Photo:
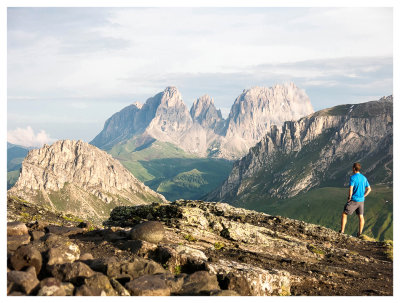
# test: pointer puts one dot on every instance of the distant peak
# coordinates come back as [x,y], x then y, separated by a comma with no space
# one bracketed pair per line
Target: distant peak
[171,90]
[171,97]
[138,104]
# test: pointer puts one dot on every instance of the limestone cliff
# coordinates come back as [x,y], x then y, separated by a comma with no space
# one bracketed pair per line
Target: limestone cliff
[203,131]
[315,150]
[78,178]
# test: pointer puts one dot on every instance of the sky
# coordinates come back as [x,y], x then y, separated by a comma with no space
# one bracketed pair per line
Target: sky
[69,69]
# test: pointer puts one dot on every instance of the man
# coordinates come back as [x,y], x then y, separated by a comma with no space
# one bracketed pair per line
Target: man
[358,189]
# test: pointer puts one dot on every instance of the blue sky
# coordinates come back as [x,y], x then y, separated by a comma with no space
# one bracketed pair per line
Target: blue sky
[69,69]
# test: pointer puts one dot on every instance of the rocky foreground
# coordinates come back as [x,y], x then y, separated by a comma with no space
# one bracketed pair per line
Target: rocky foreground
[187,248]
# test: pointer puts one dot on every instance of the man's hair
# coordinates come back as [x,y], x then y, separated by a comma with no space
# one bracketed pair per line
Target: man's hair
[357,166]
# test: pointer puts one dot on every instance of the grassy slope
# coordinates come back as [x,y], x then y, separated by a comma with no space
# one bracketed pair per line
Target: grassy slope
[324,206]
[12,177]
[171,171]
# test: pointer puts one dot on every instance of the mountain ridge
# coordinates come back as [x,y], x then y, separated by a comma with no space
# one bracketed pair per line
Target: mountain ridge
[323,143]
[80,178]
[202,130]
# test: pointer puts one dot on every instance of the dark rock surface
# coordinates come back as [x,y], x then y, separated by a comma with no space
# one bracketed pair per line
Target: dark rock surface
[207,249]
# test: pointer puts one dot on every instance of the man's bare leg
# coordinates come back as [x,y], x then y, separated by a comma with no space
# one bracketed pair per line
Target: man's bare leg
[344,221]
[361,224]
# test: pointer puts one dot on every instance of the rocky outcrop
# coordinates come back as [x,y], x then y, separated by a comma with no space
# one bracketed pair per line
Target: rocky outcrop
[207,249]
[80,179]
[258,108]
[204,112]
[203,131]
[313,151]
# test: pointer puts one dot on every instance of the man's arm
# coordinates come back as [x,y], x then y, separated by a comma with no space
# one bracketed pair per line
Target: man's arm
[350,193]
[367,191]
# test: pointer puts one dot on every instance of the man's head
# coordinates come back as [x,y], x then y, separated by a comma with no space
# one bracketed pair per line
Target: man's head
[356,167]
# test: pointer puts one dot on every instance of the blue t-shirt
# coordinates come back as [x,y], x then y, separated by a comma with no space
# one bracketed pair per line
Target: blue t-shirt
[359,183]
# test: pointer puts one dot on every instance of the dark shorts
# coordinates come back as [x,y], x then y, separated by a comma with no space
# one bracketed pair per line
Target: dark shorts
[352,206]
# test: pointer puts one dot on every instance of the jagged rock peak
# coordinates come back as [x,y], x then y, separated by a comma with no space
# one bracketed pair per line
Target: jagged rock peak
[171,97]
[138,104]
[203,108]
[387,98]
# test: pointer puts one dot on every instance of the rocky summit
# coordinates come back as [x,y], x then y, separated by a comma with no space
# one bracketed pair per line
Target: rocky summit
[203,131]
[188,248]
[80,179]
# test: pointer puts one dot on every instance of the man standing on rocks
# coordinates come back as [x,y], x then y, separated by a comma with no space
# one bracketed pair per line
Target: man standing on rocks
[358,189]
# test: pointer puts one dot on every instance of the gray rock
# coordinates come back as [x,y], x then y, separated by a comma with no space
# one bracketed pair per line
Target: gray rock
[148,285]
[62,252]
[150,231]
[16,229]
[51,287]
[13,242]
[26,256]
[133,270]
[199,283]
[85,290]
[37,234]
[99,283]
[71,272]
[24,281]
[121,291]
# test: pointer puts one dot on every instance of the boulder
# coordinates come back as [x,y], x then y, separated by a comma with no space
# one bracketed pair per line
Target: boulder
[150,231]
[26,256]
[186,258]
[199,283]
[148,285]
[99,283]
[51,287]
[85,290]
[251,280]
[121,291]
[62,252]
[37,234]
[16,228]
[133,270]
[71,272]
[13,242]
[23,281]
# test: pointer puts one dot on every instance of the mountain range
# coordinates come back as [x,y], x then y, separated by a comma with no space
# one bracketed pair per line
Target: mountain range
[202,130]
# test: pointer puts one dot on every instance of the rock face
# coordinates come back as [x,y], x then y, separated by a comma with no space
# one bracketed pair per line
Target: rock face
[203,131]
[78,178]
[314,151]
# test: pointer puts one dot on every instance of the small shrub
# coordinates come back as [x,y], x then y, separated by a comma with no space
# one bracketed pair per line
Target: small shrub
[177,269]
[218,245]
[190,238]
[315,249]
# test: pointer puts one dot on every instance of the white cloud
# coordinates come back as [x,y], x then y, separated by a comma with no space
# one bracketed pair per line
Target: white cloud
[27,137]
